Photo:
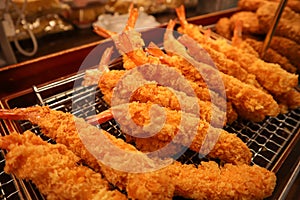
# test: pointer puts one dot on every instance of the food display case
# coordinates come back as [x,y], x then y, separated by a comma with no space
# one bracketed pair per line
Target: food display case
[49,80]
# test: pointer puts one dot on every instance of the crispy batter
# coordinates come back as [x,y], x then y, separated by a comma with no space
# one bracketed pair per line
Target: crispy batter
[253,5]
[288,25]
[287,48]
[223,27]
[175,100]
[109,80]
[53,169]
[251,103]
[166,182]
[250,22]
[71,131]
[228,147]
[223,64]
[228,182]
[290,99]
[272,56]
[213,182]
[278,81]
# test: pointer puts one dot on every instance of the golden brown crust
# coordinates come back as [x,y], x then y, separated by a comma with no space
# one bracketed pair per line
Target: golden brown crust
[228,147]
[272,56]
[287,48]
[288,25]
[53,169]
[223,27]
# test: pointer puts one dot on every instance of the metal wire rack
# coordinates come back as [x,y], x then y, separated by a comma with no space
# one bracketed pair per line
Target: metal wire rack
[267,140]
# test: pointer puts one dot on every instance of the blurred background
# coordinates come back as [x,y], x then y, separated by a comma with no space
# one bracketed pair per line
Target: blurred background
[34,28]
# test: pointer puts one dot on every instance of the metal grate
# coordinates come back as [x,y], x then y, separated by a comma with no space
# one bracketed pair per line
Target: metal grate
[8,189]
[267,140]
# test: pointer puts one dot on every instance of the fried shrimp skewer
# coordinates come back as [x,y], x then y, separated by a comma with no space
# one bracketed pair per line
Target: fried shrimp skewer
[164,96]
[272,56]
[75,133]
[256,46]
[279,81]
[53,169]
[288,25]
[251,103]
[170,179]
[228,147]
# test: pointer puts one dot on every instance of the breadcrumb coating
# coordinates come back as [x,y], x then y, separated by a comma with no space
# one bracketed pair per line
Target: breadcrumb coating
[288,25]
[53,169]
[225,146]
[163,96]
[272,56]
[207,181]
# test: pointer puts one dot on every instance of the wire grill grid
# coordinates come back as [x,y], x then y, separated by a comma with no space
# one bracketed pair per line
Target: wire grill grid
[266,139]
[8,189]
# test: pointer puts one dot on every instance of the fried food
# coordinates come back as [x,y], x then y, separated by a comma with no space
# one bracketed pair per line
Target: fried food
[134,89]
[109,80]
[178,101]
[193,132]
[215,182]
[84,140]
[287,48]
[279,81]
[250,102]
[223,28]
[251,5]
[207,181]
[250,22]
[290,99]
[53,169]
[223,64]
[272,56]
[288,25]
[91,76]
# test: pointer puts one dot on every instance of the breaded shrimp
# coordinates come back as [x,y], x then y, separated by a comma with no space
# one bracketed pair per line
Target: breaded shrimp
[288,25]
[272,56]
[251,103]
[84,141]
[53,169]
[195,133]
[215,182]
[250,22]
[279,81]
[109,81]
[287,48]
[164,183]
[223,28]
[91,76]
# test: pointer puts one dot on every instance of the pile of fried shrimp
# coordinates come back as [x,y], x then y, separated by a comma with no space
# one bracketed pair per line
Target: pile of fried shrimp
[89,163]
[253,19]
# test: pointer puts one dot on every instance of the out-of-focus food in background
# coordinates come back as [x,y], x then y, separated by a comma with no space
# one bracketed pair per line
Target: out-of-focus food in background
[151,7]
[40,17]
[256,17]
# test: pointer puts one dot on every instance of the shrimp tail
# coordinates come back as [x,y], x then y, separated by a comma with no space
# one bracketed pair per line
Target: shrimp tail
[100,118]
[180,11]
